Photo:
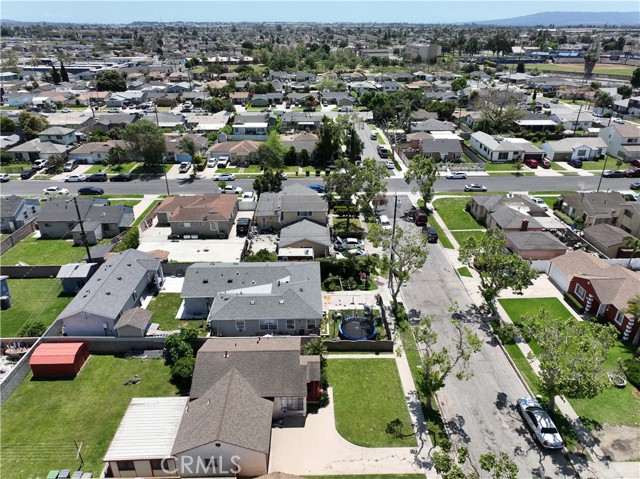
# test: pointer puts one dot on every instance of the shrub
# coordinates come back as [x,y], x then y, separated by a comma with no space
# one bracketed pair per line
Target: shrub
[574,303]
[182,372]
[131,240]
[631,369]
[32,329]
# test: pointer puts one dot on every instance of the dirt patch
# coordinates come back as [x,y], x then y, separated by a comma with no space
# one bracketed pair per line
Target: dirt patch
[622,443]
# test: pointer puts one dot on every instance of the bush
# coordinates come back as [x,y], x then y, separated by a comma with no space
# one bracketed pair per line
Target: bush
[574,303]
[131,240]
[32,329]
[506,332]
[631,369]
[182,372]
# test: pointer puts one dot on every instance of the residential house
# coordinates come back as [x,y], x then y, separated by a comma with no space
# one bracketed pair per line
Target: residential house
[175,154]
[500,149]
[340,98]
[510,218]
[117,285]
[92,97]
[389,86]
[109,121]
[178,87]
[205,215]
[207,122]
[575,148]
[76,120]
[442,149]
[302,120]
[240,153]
[267,99]
[74,276]
[250,131]
[58,219]
[483,206]
[574,120]
[294,203]
[362,87]
[537,122]
[124,98]
[629,218]
[303,77]
[592,208]
[36,149]
[623,141]
[300,141]
[165,119]
[59,135]
[179,77]
[423,115]
[248,299]
[535,245]
[18,100]
[607,238]
[603,290]
[17,211]
[306,234]
[95,151]
[431,125]
[239,97]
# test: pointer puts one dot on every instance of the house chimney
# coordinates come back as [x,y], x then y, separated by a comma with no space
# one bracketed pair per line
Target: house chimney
[226,354]
[525,225]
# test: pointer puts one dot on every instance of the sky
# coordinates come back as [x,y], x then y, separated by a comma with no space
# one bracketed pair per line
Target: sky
[382,11]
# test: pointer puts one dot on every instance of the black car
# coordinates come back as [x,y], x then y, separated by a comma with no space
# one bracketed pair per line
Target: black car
[97,177]
[121,177]
[613,174]
[635,186]
[576,163]
[90,190]
[242,226]
[26,174]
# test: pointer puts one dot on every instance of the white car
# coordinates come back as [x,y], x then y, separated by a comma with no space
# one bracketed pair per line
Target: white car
[347,244]
[224,177]
[212,162]
[75,178]
[618,120]
[231,190]
[55,190]
[4,177]
[352,253]
[540,423]
[65,110]
[284,176]
[184,167]
[540,202]
[456,175]
[248,196]
[389,164]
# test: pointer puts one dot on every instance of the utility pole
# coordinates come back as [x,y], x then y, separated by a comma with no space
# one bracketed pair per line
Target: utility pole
[164,157]
[575,125]
[82,232]
[393,235]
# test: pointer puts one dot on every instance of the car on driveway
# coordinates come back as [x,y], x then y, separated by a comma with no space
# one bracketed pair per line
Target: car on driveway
[531,163]
[540,423]
[618,120]
[75,179]
[352,253]
[231,190]
[540,202]
[474,187]
[456,175]
[613,174]
[4,177]
[316,187]
[635,185]
[576,163]
[342,244]
[544,163]
[632,173]
[121,177]
[90,190]
[97,177]
[28,173]
[248,196]
[55,190]
[184,167]
[224,177]
[212,162]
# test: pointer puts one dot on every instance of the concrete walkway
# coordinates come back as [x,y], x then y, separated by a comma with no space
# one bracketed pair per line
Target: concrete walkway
[144,204]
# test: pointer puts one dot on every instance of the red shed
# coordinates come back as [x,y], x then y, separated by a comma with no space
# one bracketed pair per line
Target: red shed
[51,360]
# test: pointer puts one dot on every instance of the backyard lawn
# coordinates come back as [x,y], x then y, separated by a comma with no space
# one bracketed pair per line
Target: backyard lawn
[32,299]
[165,307]
[367,396]
[35,251]
[41,419]
[614,406]
[452,212]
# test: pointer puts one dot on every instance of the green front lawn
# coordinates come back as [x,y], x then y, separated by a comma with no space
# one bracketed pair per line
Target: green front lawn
[152,169]
[34,251]
[460,236]
[609,163]
[39,299]
[452,211]
[500,167]
[367,396]
[340,225]
[464,271]
[124,202]
[121,168]
[14,168]
[42,418]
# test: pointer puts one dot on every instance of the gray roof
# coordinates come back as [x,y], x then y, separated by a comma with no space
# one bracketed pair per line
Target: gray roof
[76,270]
[56,130]
[432,124]
[599,203]
[295,197]
[441,145]
[607,235]
[304,230]
[272,365]
[100,250]
[63,210]
[229,412]
[267,204]
[534,240]
[109,289]
[509,218]
[136,317]
[9,205]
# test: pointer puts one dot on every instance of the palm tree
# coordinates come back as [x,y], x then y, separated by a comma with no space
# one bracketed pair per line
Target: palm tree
[315,347]
[590,60]
[633,244]
[633,306]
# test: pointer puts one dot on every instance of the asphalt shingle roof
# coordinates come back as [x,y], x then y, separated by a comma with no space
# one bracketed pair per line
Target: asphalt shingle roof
[304,230]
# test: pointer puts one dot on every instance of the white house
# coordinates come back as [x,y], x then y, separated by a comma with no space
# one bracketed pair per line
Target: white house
[59,135]
[500,149]
[250,131]
[575,148]
[623,141]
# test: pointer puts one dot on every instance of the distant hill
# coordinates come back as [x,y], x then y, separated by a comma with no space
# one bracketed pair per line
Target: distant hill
[565,19]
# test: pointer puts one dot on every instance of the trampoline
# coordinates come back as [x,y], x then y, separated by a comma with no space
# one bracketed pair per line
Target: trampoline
[357,328]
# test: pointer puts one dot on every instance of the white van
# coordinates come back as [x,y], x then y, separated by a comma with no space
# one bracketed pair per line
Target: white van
[70,165]
[385,223]
[223,162]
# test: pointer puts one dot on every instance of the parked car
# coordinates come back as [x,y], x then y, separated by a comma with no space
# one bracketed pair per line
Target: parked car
[284,176]
[632,173]
[456,175]
[431,232]
[373,136]
[575,162]
[75,178]
[618,120]
[90,190]
[474,187]
[318,188]
[419,217]
[242,226]
[383,152]
[231,190]
[540,202]
[635,185]
[385,224]
[4,177]
[184,167]
[55,190]
[70,165]
[248,196]
[97,177]
[389,164]
[114,110]
[635,163]
[224,177]
[223,161]
[39,164]
[65,110]
[540,423]
[352,253]
[121,177]
[613,174]
[544,163]
[531,163]
[212,162]
[28,173]
[347,244]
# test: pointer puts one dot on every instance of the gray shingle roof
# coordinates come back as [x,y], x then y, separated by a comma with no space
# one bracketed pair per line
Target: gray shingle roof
[136,317]
[109,289]
[272,365]
[606,234]
[508,218]
[9,205]
[534,240]
[229,412]
[298,197]
[304,230]
[62,210]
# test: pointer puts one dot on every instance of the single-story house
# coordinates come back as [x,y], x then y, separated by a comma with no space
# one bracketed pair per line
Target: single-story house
[431,124]
[509,218]
[607,238]
[500,149]
[166,119]
[441,149]
[75,119]
[205,215]
[592,208]
[95,151]
[74,276]
[302,120]
[535,245]
[240,153]
[248,299]
[575,148]
[16,211]
[300,141]
[58,360]
[175,154]
[109,121]
[484,205]
[306,234]
[115,287]
[36,149]
[292,204]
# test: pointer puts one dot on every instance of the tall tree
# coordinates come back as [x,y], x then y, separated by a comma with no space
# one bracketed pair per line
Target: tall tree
[328,145]
[374,183]
[633,244]
[55,75]
[424,171]
[199,164]
[269,181]
[603,100]
[590,59]
[271,152]
[343,184]
[7,125]
[635,78]
[145,140]
[111,80]
[31,124]
[520,68]
[572,355]
[499,109]
[354,144]
[187,145]
[497,268]
[63,72]
[116,155]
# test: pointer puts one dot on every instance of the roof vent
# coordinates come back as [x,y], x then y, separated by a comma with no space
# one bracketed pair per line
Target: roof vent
[252,302]
[229,281]
[205,281]
[281,301]
[108,293]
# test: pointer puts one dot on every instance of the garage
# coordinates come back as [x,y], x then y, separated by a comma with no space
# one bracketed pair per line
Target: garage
[58,360]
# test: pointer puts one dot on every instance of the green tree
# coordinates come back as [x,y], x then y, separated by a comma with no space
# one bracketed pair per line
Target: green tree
[145,140]
[182,372]
[32,329]
[111,80]
[304,158]
[518,164]
[116,155]
[635,78]
[520,68]
[187,145]
[497,268]
[199,164]
[7,125]
[459,84]
[424,171]
[131,240]
[315,347]
[500,466]
[499,109]
[374,183]
[572,355]
[31,124]
[590,59]
[343,184]
[269,181]
[328,145]
[291,157]
[64,76]
[99,136]
[633,244]
[271,152]
[261,256]
[55,75]
[625,90]
[603,100]
[354,144]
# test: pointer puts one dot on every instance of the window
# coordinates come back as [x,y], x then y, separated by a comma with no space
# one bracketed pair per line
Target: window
[268,324]
[619,317]
[156,464]
[293,404]
[628,213]
[240,326]
[503,156]
[126,466]
[582,152]
[291,324]
[580,291]
[311,323]
[304,213]
[186,225]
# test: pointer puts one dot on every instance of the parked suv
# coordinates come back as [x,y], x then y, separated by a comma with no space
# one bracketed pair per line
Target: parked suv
[97,177]
[420,218]
[70,165]
[575,162]
[531,163]
[39,164]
